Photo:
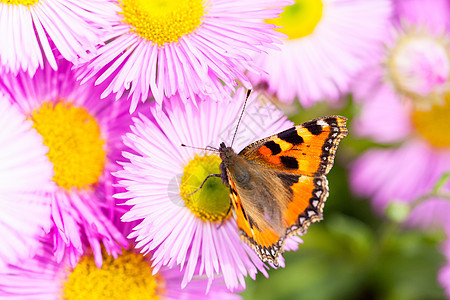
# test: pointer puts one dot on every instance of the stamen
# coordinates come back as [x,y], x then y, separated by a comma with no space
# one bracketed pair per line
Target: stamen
[127,277]
[433,123]
[300,19]
[163,21]
[74,141]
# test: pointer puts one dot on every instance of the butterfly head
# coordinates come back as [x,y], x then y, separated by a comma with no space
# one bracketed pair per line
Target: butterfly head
[225,152]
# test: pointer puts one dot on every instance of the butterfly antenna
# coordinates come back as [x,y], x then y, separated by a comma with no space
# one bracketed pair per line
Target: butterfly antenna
[240,117]
[207,148]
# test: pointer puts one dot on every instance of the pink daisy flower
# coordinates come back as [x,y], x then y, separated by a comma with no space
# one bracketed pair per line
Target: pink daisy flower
[83,137]
[403,180]
[328,43]
[415,60]
[25,174]
[126,276]
[415,67]
[30,29]
[200,235]
[410,170]
[186,48]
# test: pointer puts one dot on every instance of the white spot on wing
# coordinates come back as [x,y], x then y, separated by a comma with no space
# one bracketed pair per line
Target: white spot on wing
[322,123]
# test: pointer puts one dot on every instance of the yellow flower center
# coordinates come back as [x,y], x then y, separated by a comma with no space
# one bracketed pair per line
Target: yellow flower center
[163,21]
[74,141]
[212,201]
[419,67]
[20,2]
[433,124]
[127,277]
[299,19]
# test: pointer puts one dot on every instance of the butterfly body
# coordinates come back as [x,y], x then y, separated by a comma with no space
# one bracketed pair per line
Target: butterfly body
[278,185]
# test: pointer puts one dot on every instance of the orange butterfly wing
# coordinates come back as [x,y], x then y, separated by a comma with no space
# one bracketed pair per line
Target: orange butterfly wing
[308,198]
[307,149]
[300,156]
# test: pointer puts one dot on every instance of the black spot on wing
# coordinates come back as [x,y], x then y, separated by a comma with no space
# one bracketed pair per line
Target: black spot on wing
[291,136]
[288,179]
[332,121]
[313,127]
[274,147]
[289,162]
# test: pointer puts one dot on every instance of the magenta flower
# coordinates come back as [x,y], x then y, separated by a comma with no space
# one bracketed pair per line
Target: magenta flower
[186,48]
[397,174]
[415,59]
[405,175]
[125,276]
[30,29]
[406,100]
[195,232]
[328,43]
[82,134]
[26,175]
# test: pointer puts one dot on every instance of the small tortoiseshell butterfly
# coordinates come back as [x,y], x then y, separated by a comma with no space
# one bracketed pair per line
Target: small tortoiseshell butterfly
[278,185]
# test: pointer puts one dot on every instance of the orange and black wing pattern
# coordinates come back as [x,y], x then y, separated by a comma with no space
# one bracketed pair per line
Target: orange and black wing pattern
[307,198]
[299,158]
[307,149]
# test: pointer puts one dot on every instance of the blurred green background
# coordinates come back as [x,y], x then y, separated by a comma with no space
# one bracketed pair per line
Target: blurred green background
[353,253]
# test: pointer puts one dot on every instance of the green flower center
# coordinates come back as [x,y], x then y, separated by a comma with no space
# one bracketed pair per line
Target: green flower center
[74,141]
[299,19]
[163,21]
[129,276]
[212,201]
[433,124]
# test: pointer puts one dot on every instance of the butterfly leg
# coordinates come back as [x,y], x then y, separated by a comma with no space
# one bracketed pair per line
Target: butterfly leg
[228,211]
[204,181]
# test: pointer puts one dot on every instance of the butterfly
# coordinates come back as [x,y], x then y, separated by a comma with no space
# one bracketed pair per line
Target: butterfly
[278,185]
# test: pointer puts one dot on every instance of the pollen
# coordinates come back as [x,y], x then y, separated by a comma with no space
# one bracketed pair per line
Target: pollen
[433,124]
[299,19]
[128,276]
[75,145]
[212,201]
[20,2]
[163,21]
